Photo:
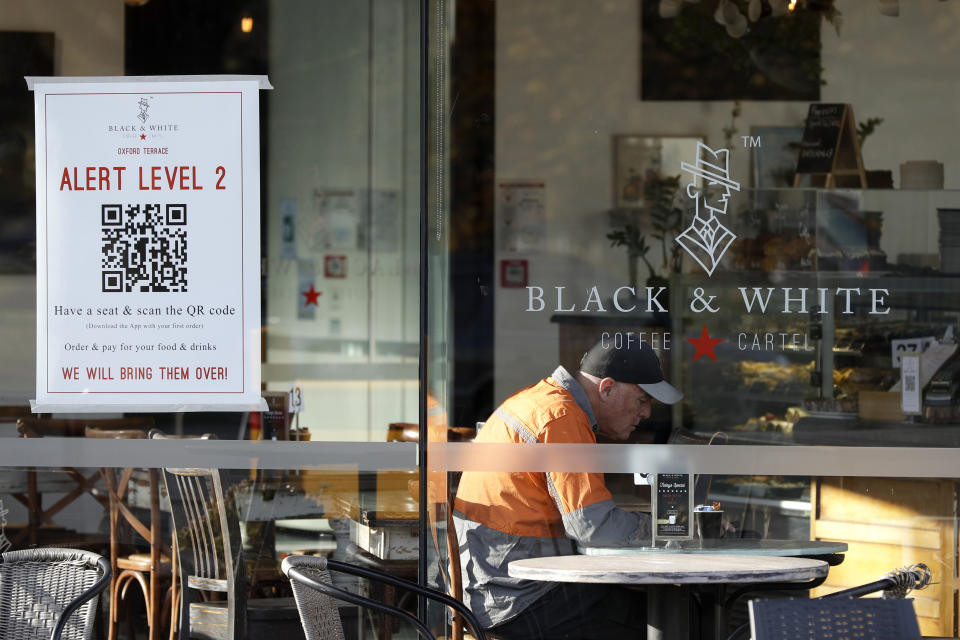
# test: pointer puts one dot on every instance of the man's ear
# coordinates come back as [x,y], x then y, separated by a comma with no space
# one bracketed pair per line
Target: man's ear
[605,387]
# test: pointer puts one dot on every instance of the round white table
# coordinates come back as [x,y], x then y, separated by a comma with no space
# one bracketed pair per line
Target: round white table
[745,546]
[669,578]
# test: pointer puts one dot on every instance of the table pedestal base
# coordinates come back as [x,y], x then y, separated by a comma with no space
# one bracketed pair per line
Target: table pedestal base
[668,613]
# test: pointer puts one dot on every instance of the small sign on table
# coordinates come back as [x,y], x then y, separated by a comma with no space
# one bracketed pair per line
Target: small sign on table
[672,506]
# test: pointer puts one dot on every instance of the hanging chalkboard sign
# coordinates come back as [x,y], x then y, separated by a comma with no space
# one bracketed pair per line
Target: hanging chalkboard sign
[673,506]
[830,150]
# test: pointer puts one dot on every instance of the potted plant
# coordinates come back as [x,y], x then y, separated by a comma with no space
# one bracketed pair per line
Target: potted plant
[665,219]
[627,233]
[879,178]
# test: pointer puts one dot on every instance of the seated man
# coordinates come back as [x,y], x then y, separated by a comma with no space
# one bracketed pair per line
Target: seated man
[501,517]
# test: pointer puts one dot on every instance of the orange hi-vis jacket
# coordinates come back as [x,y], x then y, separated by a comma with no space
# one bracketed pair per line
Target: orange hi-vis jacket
[506,516]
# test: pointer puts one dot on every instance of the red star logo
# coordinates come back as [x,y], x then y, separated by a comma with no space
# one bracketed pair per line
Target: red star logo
[704,345]
[311,296]
[143,136]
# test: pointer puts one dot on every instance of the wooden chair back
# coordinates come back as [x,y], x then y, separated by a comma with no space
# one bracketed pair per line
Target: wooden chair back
[410,432]
[117,482]
[403,432]
[134,568]
[34,427]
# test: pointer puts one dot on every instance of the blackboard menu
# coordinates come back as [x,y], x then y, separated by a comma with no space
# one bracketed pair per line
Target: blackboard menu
[820,137]
[672,506]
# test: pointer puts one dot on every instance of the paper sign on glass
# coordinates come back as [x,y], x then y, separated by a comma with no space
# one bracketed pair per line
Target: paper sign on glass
[148,243]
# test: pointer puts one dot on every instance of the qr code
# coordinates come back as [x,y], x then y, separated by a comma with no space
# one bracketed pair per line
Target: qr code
[144,248]
[910,383]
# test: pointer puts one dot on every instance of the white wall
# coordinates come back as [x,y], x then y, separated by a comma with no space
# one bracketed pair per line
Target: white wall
[343,115]
[567,80]
[904,70]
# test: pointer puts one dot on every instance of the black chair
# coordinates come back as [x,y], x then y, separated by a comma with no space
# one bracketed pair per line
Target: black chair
[50,593]
[778,619]
[315,593]
[861,618]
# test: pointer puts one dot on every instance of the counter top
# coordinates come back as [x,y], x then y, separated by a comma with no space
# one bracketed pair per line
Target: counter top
[851,432]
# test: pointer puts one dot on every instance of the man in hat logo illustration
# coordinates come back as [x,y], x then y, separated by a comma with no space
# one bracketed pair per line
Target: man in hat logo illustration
[706,239]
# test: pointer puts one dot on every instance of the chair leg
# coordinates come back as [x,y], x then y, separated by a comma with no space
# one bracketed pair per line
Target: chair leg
[114,607]
[386,630]
[174,592]
[166,610]
[154,605]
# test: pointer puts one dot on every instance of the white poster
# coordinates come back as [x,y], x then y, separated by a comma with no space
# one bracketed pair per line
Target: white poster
[148,244]
[521,210]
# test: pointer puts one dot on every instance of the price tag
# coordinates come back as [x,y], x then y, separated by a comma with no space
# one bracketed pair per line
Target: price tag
[908,345]
[910,388]
[296,399]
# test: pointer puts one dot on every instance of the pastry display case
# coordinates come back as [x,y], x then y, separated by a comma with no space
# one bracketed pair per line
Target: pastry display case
[818,299]
[811,337]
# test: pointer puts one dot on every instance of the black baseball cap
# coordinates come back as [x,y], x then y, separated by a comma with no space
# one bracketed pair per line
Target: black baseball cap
[630,361]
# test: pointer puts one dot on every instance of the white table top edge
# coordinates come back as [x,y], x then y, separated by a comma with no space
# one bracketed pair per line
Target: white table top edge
[668,569]
[785,548]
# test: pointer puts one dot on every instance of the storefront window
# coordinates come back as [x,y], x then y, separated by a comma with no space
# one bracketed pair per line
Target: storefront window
[331,468]
[760,192]
[744,213]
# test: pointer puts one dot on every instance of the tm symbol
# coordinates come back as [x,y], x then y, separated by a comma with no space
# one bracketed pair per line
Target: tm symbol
[750,141]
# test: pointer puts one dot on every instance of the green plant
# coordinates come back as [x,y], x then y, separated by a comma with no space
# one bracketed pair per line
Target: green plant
[866,129]
[666,219]
[631,237]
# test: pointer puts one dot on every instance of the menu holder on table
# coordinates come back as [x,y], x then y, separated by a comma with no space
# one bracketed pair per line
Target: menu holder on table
[672,506]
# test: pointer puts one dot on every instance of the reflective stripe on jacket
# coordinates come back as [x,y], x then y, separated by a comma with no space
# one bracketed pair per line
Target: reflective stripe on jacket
[501,517]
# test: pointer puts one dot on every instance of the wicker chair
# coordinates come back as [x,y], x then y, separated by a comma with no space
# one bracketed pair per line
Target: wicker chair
[48,594]
[864,618]
[842,614]
[315,595]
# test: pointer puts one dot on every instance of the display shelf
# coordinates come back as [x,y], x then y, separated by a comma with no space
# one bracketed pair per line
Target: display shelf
[853,355]
[774,397]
